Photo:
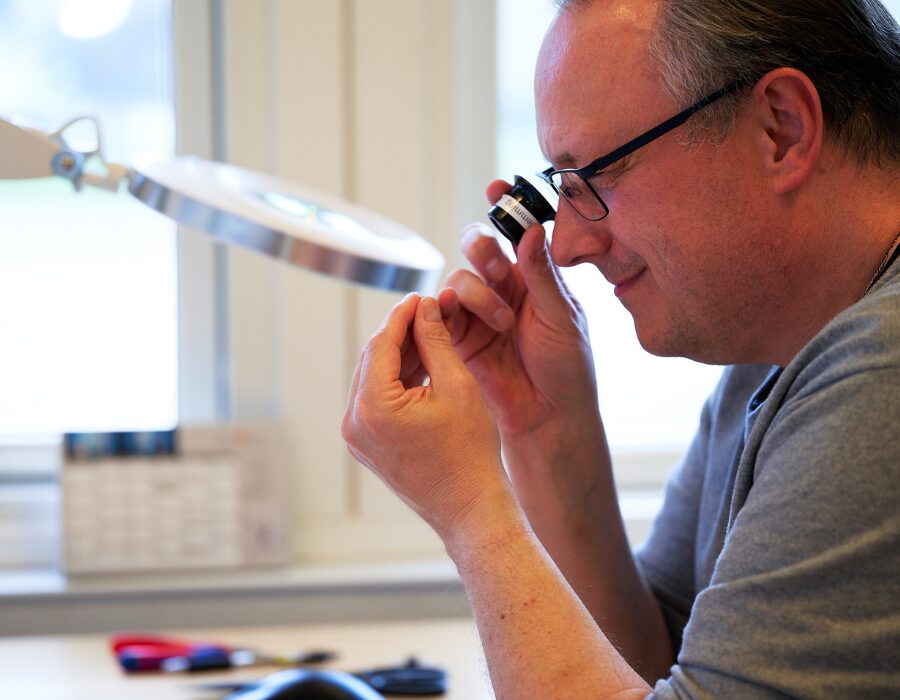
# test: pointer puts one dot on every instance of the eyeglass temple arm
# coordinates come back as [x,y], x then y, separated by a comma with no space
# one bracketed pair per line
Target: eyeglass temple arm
[657,131]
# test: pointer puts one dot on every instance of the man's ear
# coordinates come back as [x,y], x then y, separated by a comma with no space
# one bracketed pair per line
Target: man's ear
[789,115]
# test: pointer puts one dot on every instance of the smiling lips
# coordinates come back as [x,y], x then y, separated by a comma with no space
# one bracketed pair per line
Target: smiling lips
[626,283]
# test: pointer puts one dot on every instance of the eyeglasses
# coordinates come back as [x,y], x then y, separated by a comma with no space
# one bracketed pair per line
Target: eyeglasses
[574,183]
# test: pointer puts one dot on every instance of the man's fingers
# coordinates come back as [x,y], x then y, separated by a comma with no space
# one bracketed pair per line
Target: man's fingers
[480,300]
[475,338]
[448,300]
[483,250]
[382,359]
[410,364]
[545,285]
[435,347]
[497,189]
[468,333]
[456,318]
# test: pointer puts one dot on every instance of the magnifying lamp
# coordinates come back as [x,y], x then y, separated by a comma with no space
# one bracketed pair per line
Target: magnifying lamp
[269,215]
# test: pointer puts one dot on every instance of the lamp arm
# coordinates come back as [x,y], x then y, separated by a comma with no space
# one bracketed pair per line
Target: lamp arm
[28,153]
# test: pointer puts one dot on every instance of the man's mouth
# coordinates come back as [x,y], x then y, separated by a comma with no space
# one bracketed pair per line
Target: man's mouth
[623,285]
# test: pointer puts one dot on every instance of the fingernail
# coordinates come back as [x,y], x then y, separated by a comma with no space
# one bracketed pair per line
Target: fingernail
[430,309]
[496,269]
[503,318]
[469,234]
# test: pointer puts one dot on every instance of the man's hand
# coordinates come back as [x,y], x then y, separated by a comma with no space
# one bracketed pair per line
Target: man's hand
[524,337]
[521,332]
[435,445]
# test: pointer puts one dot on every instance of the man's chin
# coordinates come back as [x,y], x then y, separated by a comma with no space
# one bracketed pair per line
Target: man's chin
[672,341]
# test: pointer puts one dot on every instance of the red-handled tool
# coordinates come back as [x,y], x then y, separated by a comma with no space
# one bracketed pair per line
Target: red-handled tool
[141,652]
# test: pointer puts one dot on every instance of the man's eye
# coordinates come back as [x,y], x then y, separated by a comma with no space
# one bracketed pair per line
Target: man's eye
[571,191]
[606,179]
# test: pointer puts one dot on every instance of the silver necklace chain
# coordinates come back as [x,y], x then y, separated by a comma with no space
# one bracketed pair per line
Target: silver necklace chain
[884,263]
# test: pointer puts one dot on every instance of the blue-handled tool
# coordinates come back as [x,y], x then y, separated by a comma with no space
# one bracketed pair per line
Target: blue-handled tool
[141,652]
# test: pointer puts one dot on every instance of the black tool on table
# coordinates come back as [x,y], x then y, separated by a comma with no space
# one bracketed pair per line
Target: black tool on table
[303,684]
[411,678]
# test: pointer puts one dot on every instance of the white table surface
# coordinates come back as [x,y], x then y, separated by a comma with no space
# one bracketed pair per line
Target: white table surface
[81,667]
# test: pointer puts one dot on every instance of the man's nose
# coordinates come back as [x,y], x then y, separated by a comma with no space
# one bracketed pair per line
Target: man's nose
[575,238]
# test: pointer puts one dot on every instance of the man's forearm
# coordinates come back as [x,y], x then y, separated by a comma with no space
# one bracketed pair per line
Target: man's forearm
[539,639]
[563,480]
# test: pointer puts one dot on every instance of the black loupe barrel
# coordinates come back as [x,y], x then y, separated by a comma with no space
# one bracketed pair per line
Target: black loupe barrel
[523,207]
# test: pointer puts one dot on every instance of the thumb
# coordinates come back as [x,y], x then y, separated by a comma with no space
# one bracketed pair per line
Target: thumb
[539,273]
[434,344]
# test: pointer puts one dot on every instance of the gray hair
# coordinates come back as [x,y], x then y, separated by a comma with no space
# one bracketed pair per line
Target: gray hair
[850,49]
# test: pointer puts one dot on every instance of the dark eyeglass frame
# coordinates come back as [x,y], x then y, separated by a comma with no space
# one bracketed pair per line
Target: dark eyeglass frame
[594,167]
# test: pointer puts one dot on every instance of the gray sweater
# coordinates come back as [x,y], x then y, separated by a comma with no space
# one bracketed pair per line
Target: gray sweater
[776,556]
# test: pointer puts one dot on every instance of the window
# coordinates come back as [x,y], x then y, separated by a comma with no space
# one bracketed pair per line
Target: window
[88,282]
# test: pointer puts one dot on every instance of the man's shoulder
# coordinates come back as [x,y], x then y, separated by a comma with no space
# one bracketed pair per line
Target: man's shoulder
[863,339]
[837,403]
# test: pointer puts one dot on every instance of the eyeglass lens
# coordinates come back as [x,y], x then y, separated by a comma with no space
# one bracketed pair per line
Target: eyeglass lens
[579,195]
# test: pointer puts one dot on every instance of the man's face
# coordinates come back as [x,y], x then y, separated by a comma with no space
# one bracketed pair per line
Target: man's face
[683,241]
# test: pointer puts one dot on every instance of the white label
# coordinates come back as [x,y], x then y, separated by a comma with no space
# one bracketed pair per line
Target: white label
[516,211]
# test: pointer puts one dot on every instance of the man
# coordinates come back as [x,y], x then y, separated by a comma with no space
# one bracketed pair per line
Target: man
[756,231]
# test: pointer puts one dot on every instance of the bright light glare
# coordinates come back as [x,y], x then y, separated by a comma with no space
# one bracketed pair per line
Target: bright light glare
[89,19]
[313,212]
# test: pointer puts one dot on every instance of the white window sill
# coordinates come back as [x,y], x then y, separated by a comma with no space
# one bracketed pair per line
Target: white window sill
[50,585]
[43,602]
